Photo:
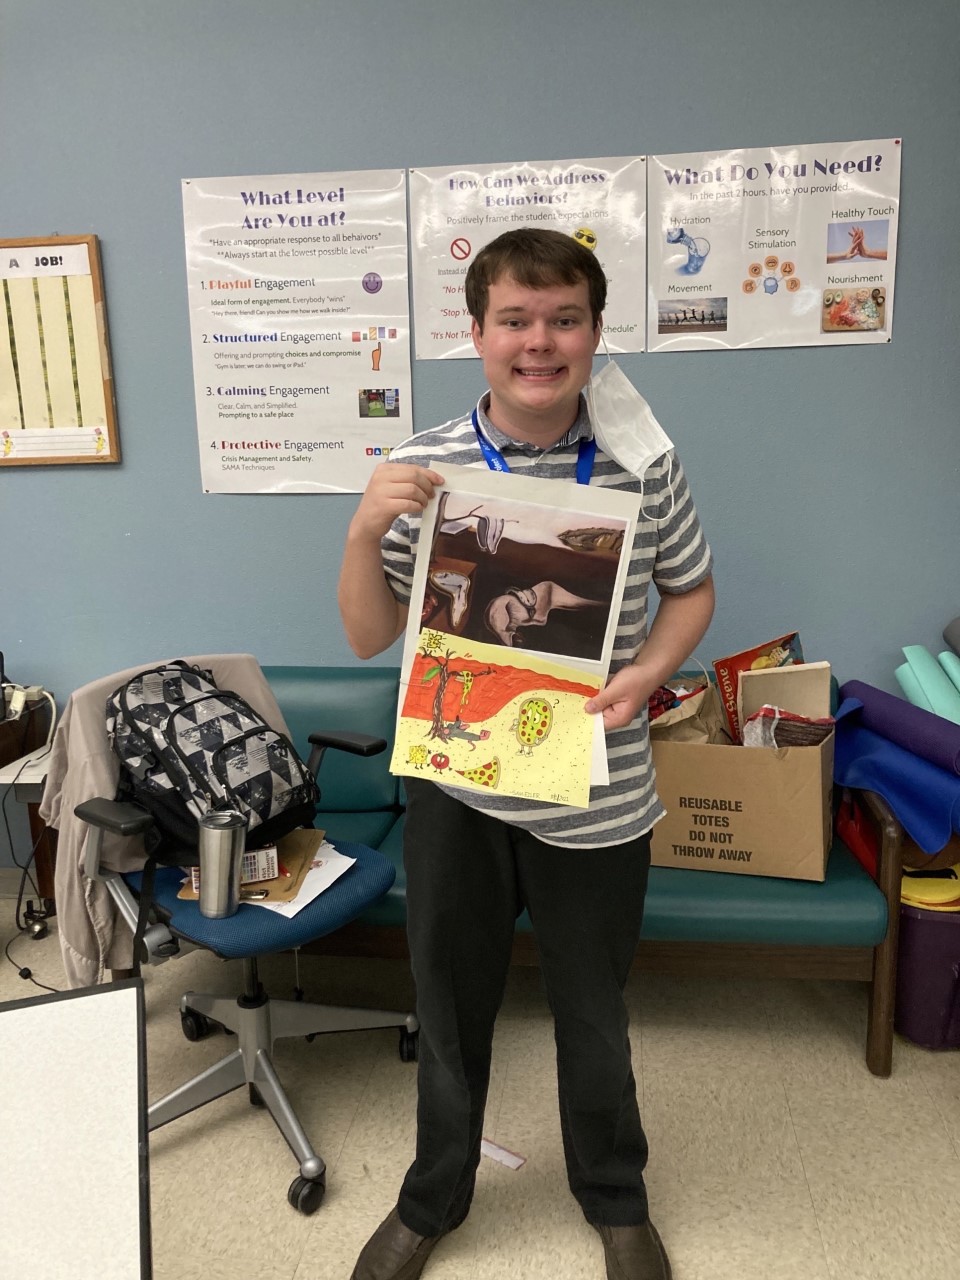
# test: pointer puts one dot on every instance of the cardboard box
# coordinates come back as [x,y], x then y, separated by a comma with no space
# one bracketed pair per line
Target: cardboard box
[760,811]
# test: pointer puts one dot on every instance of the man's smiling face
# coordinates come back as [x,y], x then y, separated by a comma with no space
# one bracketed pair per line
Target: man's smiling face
[537,347]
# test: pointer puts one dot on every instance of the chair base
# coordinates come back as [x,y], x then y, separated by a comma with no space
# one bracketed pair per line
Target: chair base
[257,1022]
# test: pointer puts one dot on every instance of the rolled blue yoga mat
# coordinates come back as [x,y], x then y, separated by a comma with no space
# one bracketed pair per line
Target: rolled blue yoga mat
[926,735]
[936,684]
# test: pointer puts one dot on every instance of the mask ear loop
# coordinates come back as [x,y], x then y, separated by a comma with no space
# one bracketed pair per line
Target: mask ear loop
[673,497]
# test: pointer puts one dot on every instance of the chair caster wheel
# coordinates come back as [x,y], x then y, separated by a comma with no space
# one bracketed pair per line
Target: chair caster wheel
[409,1045]
[196,1026]
[306,1196]
[255,1099]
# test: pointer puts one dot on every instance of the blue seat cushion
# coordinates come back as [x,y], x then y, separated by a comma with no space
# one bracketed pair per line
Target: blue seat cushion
[254,931]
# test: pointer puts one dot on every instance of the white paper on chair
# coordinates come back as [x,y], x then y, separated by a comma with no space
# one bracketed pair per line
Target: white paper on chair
[327,867]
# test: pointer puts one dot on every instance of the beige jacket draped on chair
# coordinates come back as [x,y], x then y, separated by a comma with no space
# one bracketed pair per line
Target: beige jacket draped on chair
[93,937]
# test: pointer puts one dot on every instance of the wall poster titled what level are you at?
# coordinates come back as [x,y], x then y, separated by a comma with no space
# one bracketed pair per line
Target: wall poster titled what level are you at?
[56,389]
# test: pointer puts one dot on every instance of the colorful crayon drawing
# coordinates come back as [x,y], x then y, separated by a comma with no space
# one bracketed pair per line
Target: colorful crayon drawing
[470,719]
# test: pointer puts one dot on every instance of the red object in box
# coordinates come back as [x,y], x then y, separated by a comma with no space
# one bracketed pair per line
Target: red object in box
[858,833]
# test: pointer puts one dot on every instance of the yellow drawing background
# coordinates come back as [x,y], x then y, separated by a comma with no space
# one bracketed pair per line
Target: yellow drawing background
[558,772]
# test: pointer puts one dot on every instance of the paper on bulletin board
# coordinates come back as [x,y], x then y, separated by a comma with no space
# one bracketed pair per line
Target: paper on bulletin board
[299,321]
[455,211]
[773,246]
[513,613]
[56,388]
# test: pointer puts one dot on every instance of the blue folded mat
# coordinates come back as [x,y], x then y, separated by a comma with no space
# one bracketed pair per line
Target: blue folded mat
[925,798]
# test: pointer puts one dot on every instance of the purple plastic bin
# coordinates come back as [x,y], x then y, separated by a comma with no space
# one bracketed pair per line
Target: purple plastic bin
[928,978]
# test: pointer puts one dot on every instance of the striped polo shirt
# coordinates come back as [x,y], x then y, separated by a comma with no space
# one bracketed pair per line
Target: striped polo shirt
[669,548]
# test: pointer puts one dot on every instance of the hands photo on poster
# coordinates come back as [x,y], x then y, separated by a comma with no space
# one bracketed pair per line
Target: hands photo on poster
[786,246]
[456,210]
[297,287]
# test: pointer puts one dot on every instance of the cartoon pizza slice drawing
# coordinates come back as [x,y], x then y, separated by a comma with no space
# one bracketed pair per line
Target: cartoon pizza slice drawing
[484,775]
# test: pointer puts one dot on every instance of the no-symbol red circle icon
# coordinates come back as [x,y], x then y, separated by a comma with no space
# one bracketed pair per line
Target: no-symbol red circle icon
[460,248]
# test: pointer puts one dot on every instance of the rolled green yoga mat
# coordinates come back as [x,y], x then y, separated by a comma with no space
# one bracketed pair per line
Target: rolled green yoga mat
[936,684]
[951,665]
[912,689]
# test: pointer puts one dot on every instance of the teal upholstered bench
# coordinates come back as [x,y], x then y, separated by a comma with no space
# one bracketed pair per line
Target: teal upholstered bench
[694,920]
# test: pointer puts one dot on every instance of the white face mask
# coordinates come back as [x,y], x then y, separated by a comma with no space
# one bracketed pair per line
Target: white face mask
[623,423]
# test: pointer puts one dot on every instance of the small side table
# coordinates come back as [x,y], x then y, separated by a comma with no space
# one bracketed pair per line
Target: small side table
[23,765]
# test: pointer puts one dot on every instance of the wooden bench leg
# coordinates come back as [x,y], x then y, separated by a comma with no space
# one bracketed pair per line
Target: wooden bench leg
[883,990]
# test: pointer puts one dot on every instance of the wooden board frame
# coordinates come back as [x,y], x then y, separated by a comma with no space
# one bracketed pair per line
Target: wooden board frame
[54,355]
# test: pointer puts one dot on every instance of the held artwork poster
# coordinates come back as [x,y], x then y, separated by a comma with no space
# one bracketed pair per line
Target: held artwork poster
[516,593]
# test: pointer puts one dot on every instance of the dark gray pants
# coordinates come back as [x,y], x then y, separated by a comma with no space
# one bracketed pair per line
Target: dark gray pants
[468,878]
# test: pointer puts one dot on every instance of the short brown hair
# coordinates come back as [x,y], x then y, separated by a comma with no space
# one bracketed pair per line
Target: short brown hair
[536,258]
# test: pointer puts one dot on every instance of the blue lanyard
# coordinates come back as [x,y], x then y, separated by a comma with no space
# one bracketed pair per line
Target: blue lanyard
[497,462]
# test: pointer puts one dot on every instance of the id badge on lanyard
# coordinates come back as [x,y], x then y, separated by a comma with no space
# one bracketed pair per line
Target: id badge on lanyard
[497,462]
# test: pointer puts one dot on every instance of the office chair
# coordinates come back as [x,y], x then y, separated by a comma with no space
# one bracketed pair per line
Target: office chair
[175,926]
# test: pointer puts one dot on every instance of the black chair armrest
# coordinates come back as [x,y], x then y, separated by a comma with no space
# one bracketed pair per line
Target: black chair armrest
[120,817]
[358,744]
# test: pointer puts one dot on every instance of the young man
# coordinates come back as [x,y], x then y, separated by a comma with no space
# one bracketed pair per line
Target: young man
[474,861]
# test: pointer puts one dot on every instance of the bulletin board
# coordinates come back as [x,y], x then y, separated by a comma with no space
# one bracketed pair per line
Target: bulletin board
[56,389]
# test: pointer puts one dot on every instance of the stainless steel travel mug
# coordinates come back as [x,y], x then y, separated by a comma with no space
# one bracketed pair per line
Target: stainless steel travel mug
[223,837]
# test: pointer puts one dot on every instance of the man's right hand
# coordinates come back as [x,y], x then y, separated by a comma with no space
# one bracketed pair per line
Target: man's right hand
[394,489]
[372,617]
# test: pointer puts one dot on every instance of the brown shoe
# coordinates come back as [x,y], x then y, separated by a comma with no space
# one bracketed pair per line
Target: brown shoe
[634,1253]
[393,1252]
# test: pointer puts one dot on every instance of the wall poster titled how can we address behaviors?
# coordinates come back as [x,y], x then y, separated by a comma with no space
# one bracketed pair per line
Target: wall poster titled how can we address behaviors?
[455,211]
[300,328]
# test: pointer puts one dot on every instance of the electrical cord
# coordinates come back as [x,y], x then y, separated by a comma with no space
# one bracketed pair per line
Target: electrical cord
[23,971]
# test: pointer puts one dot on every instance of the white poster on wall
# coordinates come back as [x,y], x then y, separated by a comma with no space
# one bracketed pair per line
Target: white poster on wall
[299,322]
[773,246]
[455,211]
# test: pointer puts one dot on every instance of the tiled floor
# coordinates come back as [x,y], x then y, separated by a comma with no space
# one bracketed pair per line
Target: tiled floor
[775,1155]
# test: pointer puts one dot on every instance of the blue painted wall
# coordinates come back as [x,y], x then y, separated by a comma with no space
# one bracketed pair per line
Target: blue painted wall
[827,478]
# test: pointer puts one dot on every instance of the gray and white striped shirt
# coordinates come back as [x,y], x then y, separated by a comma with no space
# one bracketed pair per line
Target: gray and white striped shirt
[669,549]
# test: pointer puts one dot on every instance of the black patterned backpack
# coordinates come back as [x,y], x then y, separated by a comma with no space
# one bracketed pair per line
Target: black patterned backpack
[187,747]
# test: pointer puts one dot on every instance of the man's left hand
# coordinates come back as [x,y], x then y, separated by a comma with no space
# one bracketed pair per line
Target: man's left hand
[622,699]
